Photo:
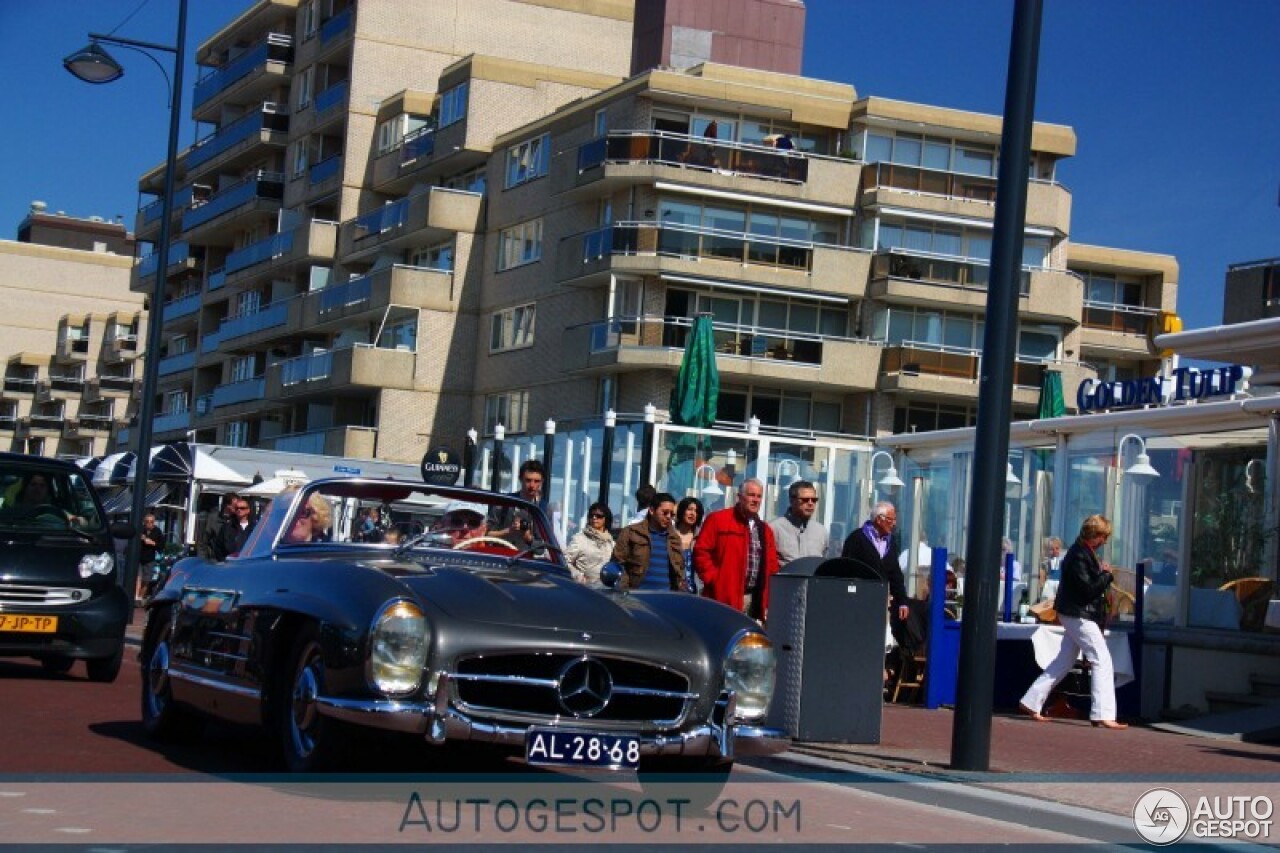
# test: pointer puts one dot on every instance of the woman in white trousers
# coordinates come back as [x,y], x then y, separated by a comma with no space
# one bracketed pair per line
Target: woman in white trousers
[1081,606]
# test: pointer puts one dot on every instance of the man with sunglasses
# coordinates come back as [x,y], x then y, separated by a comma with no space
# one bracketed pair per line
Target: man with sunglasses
[235,531]
[797,532]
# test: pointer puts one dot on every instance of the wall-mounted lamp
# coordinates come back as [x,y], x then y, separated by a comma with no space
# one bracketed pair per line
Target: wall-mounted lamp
[1012,485]
[1254,476]
[1141,466]
[753,425]
[499,433]
[890,480]
[712,487]
[549,427]
[794,468]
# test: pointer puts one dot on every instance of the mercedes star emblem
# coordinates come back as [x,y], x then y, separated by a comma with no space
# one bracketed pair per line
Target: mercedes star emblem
[584,687]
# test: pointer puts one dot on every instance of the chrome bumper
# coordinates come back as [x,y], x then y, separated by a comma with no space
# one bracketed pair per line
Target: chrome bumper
[441,724]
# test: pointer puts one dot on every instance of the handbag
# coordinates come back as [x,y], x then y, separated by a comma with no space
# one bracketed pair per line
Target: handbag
[1044,612]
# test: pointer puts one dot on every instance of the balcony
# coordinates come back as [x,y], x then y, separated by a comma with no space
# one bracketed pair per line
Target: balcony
[180,258]
[410,287]
[236,144]
[183,306]
[20,384]
[120,346]
[332,98]
[271,317]
[8,422]
[1118,330]
[172,422]
[44,426]
[419,220]
[362,368]
[425,154]
[627,158]
[311,241]
[960,194]
[337,27]
[650,248]
[246,78]
[326,171]
[261,191]
[101,388]
[179,363]
[244,391]
[917,278]
[72,347]
[59,387]
[148,217]
[351,442]
[934,369]
[743,353]
[88,426]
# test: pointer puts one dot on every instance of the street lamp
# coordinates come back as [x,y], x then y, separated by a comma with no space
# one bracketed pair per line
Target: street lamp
[93,64]
[890,480]
[712,487]
[1141,466]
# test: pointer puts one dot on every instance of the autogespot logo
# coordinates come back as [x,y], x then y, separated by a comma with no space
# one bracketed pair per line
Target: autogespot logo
[1161,816]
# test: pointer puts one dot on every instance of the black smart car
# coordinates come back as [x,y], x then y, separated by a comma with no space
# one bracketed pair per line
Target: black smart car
[60,593]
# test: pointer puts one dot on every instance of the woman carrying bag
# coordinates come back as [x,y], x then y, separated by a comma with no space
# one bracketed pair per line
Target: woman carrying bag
[1081,606]
[592,546]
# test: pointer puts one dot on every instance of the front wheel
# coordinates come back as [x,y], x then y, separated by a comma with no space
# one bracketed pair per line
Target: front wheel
[105,670]
[161,717]
[309,741]
[696,781]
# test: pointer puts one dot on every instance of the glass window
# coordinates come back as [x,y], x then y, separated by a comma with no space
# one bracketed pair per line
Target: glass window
[804,318]
[937,154]
[900,323]
[1040,346]
[958,332]
[879,148]
[1035,251]
[726,220]
[907,149]
[520,244]
[772,314]
[453,105]
[834,322]
[975,161]
[528,160]
[947,242]
[679,213]
[512,328]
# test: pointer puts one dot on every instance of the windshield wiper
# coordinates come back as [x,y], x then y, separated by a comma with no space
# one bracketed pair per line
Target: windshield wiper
[435,537]
[532,551]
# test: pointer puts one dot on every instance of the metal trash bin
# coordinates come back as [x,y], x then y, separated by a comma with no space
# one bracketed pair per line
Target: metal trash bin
[827,621]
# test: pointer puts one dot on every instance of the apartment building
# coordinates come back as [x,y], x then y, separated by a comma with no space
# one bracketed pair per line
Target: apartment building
[1251,291]
[411,219]
[70,353]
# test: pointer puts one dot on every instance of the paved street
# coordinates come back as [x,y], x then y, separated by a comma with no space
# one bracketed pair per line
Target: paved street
[77,764]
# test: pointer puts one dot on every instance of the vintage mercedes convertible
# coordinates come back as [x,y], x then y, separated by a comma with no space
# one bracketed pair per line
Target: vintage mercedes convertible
[453,620]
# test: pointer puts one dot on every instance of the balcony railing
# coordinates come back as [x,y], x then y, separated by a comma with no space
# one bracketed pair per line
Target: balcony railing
[334,96]
[276,314]
[276,46]
[949,270]
[269,116]
[170,421]
[209,341]
[94,422]
[217,279]
[8,423]
[178,363]
[185,197]
[204,405]
[353,292]
[306,368]
[70,383]
[266,185]
[20,384]
[675,149]
[1110,317]
[914,358]
[259,252]
[183,306]
[117,383]
[419,143]
[239,392]
[341,441]
[179,253]
[324,170]
[49,422]
[731,339]
[381,220]
[937,182]
[684,241]
[336,26]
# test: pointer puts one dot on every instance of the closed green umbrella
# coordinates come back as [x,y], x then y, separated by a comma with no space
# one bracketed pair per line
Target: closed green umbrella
[697,391]
[1051,403]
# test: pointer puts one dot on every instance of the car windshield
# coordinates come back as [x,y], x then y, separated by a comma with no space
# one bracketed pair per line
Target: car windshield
[390,514]
[46,499]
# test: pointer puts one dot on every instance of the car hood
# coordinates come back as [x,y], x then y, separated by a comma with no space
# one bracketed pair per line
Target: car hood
[45,559]
[534,599]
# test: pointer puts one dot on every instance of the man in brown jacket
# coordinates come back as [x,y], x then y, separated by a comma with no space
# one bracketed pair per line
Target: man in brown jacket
[648,552]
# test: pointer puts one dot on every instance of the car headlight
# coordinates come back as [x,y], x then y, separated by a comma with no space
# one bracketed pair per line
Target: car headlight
[398,648]
[749,672]
[97,564]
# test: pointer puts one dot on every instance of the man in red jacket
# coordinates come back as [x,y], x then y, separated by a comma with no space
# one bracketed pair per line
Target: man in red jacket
[735,554]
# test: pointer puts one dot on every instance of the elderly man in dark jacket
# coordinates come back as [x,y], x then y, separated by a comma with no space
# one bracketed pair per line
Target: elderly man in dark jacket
[1081,606]
[873,544]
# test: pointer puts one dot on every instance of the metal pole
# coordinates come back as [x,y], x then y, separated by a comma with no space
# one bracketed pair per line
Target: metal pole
[155,317]
[469,459]
[606,456]
[971,732]
[495,473]
[548,459]
[646,444]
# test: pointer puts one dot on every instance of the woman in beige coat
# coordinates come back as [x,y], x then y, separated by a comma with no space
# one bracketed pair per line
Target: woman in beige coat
[592,546]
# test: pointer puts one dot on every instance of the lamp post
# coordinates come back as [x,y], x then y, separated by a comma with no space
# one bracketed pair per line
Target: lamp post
[93,64]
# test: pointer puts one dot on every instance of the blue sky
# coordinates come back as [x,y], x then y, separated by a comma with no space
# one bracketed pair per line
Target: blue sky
[1176,105]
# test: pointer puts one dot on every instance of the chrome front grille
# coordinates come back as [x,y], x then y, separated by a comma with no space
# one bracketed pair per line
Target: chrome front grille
[531,687]
[25,595]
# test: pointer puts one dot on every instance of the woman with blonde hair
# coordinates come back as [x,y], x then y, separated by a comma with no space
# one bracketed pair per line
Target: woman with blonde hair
[1081,606]
[311,521]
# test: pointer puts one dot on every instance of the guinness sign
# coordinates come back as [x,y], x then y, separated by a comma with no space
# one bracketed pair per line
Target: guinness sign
[441,467]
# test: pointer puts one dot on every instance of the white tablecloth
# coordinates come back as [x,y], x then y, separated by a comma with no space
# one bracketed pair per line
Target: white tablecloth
[1047,639]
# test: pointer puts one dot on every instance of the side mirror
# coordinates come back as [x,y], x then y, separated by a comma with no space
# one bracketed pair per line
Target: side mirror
[611,575]
[122,530]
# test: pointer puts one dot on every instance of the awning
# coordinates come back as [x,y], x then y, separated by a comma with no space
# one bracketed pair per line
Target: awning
[102,474]
[181,462]
[89,464]
[121,503]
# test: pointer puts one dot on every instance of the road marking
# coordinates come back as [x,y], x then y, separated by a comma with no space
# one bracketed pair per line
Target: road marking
[72,829]
[39,811]
[13,793]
